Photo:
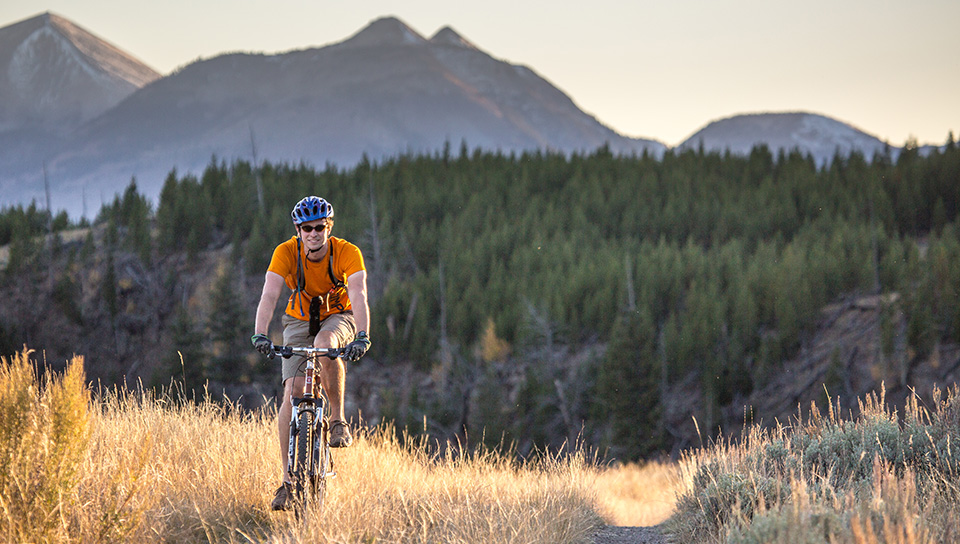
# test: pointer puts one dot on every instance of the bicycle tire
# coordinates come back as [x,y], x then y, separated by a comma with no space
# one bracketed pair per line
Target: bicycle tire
[321,464]
[303,463]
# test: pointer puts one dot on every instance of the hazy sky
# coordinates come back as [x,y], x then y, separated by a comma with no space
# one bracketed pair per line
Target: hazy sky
[658,70]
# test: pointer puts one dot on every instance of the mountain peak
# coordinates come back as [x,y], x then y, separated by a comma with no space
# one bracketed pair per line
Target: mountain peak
[449,36]
[385,31]
[58,75]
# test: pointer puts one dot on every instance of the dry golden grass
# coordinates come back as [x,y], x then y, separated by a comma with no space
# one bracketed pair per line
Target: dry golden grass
[152,469]
[203,472]
[639,495]
[386,492]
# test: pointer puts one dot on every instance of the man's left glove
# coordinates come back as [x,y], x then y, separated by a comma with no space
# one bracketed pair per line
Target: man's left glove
[262,343]
[355,350]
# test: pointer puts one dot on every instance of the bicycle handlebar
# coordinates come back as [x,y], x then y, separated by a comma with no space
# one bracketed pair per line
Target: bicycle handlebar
[289,351]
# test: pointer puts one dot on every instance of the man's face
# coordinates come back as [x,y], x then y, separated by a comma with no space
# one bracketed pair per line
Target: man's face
[314,233]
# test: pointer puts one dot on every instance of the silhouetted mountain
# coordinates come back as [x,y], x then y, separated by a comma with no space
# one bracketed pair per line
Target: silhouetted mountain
[816,135]
[382,92]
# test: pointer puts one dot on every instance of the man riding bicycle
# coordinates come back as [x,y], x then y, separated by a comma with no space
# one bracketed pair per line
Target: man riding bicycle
[327,309]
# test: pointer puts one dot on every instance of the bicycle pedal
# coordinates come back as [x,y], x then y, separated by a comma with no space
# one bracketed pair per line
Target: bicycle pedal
[331,475]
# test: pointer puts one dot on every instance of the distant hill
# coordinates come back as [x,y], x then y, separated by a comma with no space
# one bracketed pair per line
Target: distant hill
[810,133]
[384,91]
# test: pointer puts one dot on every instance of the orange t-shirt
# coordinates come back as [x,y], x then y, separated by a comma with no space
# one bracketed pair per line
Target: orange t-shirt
[347,260]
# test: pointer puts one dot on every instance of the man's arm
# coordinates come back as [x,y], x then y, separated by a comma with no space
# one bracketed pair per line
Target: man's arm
[272,286]
[357,291]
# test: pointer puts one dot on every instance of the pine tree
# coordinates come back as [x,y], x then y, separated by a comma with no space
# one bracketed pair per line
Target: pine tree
[227,323]
[134,215]
[169,220]
[627,392]
[186,361]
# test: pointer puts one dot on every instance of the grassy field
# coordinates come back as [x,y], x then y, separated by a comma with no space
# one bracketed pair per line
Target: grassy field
[132,467]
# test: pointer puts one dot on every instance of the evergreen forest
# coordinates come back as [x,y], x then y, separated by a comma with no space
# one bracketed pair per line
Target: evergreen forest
[523,299]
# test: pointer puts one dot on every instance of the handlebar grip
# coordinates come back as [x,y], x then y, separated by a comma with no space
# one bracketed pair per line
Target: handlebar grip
[284,351]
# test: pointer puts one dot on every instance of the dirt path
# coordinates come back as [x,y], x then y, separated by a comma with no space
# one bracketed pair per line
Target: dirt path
[629,535]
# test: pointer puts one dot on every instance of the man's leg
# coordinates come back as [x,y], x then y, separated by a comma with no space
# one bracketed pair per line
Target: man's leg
[333,381]
[333,375]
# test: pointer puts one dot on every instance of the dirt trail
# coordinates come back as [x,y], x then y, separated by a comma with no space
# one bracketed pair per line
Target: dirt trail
[629,535]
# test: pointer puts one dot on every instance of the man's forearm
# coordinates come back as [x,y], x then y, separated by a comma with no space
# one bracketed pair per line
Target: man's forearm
[362,318]
[264,314]
[272,284]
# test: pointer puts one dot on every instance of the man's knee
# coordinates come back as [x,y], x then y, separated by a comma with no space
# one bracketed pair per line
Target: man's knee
[325,339]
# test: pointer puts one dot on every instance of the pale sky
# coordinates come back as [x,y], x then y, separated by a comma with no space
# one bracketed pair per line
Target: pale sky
[652,69]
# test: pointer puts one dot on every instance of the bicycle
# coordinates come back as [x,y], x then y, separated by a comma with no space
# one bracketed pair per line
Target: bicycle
[309,463]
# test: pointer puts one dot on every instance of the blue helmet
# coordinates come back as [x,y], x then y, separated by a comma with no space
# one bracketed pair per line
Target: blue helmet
[311,208]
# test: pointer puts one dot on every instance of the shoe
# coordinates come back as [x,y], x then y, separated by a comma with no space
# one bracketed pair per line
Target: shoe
[340,435]
[281,497]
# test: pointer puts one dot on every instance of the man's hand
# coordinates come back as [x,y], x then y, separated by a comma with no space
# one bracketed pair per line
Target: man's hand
[262,343]
[355,350]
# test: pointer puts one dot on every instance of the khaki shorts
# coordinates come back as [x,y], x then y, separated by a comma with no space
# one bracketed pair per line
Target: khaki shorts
[297,333]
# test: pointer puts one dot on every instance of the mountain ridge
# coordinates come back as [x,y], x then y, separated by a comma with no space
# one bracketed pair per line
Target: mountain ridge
[383,91]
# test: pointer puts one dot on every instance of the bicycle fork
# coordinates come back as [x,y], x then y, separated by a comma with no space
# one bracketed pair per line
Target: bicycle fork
[294,414]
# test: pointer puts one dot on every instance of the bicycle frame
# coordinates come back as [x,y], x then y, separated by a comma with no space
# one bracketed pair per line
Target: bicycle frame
[309,463]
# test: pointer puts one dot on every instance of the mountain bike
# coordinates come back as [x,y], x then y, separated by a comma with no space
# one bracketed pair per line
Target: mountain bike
[309,463]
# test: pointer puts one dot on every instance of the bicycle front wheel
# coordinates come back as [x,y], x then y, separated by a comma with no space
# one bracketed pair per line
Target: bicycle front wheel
[303,466]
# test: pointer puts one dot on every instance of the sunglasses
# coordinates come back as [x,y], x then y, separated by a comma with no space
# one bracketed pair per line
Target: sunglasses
[311,228]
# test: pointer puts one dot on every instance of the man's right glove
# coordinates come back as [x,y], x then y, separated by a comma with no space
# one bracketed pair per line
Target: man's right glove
[262,343]
[355,350]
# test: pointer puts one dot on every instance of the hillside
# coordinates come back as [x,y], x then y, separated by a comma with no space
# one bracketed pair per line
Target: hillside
[535,299]
[844,352]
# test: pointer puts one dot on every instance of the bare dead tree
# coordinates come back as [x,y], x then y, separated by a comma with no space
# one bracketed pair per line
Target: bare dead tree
[631,292]
[46,189]
[378,280]
[256,170]
[445,351]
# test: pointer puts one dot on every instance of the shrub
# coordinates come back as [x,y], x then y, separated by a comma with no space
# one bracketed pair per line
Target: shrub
[44,434]
[831,480]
